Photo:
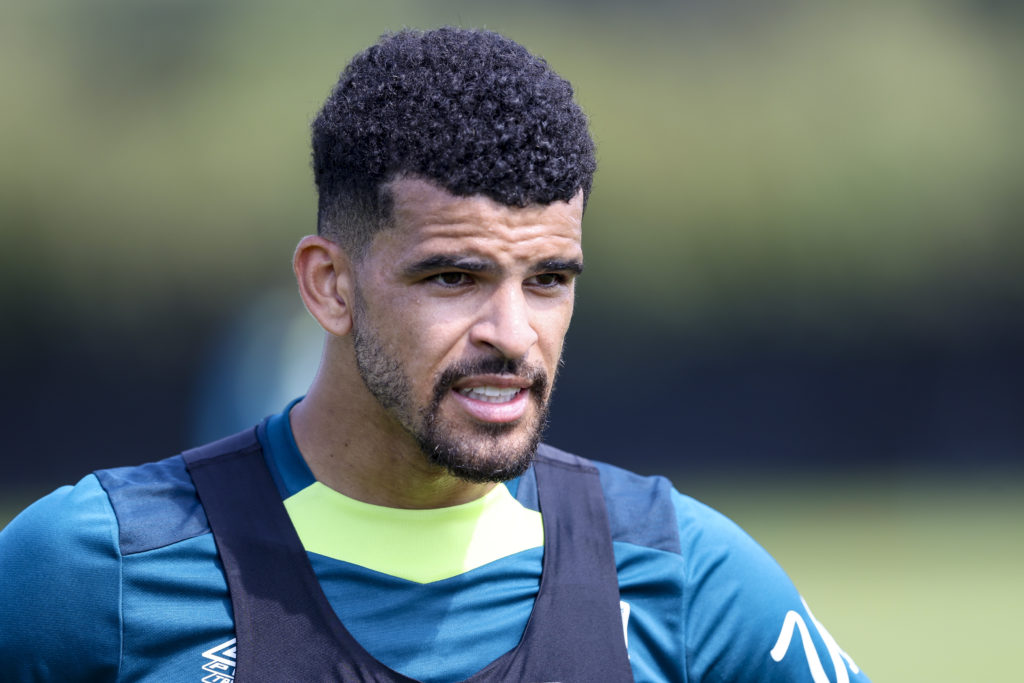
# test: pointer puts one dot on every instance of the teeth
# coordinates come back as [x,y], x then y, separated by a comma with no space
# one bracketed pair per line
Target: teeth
[490,394]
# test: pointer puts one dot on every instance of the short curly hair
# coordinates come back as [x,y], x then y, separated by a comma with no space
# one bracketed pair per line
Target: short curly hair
[468,109]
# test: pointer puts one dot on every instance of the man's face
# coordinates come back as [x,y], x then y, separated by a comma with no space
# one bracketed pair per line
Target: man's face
[460,312]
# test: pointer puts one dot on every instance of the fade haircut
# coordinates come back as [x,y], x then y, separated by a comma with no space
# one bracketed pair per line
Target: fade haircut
[469,110]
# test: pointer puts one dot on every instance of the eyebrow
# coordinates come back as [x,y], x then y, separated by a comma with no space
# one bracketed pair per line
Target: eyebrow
[438,262]
[568,266]
[446,261]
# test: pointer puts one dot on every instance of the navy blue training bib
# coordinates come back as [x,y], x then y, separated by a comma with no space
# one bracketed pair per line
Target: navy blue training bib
[287,630]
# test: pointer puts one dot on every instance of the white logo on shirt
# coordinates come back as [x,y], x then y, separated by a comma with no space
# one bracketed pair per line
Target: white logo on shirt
[221,664]
[624,611]
[793,621]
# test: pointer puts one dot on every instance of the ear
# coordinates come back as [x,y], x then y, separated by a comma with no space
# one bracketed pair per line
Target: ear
[324,273]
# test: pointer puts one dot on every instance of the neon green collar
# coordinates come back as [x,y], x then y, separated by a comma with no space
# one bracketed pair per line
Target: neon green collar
[416,545]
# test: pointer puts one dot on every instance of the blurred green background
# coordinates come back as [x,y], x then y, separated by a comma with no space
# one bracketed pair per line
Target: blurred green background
[803,294]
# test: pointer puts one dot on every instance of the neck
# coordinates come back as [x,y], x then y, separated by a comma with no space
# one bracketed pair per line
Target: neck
[356,447]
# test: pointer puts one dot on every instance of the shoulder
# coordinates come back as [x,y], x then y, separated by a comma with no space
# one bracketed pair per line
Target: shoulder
[745,619]
[732,609]
[71,575]
[131,509]
[639,507]
[155,504]
[649,511]
[72,517]
[59,600]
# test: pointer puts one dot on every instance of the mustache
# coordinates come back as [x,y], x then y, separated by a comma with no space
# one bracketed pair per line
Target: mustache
[535,374]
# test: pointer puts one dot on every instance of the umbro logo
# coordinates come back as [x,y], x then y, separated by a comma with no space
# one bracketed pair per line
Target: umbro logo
[220,666]
[840,660]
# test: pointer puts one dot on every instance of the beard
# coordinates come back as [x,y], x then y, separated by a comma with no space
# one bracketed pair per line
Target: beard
[479,452]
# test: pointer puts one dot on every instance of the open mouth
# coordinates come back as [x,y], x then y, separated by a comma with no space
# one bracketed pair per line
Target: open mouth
[490,394]
[494,404]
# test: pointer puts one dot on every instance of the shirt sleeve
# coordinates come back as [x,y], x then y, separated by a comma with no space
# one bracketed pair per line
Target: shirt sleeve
[60,589]
[745,621]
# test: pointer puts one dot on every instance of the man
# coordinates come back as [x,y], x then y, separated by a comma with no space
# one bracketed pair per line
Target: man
[424,534]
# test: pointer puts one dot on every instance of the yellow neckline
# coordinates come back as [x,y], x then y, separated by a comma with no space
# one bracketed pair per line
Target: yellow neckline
[416,545]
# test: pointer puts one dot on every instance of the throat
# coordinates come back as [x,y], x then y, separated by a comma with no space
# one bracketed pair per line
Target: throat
[372,458]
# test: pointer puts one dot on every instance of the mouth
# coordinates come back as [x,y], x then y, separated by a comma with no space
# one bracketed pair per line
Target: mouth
[494,398]
[490,394]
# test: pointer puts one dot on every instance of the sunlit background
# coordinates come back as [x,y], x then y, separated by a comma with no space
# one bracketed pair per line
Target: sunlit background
[803,299]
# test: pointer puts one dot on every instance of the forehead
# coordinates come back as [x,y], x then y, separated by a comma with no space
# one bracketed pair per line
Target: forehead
[427,218]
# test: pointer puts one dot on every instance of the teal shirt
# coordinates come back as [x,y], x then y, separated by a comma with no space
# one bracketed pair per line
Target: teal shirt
[95,591]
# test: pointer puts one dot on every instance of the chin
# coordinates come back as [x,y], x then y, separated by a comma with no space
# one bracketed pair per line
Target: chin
[493,453]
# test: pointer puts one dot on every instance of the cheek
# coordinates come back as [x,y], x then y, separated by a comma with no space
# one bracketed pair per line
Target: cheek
[553,327]
[430,343]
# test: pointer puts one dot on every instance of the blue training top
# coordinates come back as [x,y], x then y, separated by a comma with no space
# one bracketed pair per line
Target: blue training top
[121,581]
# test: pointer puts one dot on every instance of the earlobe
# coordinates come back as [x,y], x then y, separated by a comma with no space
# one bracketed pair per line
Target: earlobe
[324,274]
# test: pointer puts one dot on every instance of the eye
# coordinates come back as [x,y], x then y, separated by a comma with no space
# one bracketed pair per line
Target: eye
[548,280]
[451,279]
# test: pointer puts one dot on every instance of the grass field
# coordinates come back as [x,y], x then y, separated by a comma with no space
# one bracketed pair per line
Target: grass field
[919,582]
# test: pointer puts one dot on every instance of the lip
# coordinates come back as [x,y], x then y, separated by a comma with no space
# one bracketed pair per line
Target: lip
[495,413]
[503,381]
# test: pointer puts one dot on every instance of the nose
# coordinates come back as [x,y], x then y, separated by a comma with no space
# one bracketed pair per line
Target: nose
[504,325]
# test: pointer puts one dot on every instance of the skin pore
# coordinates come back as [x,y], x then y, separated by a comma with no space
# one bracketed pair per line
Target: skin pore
[443,341]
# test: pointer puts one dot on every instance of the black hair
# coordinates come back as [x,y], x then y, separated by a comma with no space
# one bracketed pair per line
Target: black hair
[468,109]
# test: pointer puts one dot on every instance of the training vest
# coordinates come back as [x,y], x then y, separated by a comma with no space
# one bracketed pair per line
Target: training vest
[287,630]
